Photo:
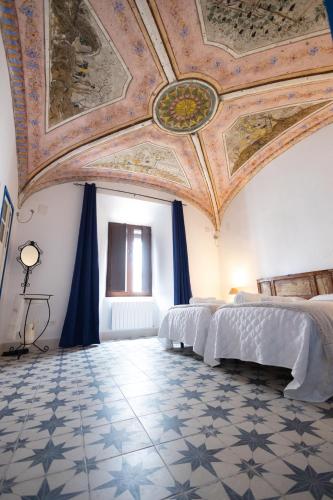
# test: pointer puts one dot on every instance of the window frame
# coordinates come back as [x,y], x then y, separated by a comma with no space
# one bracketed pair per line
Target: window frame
[130,228]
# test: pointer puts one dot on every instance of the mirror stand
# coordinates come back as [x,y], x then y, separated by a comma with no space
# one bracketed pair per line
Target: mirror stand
[29,258]
[26,283]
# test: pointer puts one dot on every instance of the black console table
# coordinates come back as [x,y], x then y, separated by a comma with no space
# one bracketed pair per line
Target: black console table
[21,348]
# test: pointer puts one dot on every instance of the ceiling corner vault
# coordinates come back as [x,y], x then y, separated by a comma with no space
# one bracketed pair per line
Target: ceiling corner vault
[163,94]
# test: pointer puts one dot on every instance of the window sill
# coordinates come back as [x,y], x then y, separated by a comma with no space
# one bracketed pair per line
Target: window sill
[131,298]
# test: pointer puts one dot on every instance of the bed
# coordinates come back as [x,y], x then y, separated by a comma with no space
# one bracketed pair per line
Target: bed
[188,324]
[295,335]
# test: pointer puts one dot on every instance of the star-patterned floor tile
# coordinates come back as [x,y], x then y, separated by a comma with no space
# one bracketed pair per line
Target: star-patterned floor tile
[198,459]
[152,403]
[218,414]
[241,487]
[232,433]
[46,456]
[92,395]
[169,425]
[62,486]
[262,443]
[114,439]
[299,476]
[9,433]
[140,389]
[140,475]
[101,414]
[46,425]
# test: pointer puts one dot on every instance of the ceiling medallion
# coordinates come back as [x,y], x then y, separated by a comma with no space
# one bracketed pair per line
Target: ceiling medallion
[186,106]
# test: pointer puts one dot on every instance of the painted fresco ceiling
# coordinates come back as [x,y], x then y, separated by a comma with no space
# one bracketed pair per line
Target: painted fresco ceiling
[191,97]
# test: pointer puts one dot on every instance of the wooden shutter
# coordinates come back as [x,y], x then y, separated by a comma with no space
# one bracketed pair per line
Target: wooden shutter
[116,262]
[146,260]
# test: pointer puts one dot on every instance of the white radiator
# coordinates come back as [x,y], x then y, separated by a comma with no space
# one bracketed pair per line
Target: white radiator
[132,315]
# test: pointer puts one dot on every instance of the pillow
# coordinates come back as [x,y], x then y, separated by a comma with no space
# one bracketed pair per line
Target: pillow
[326,296]
[199,300]
[244,297]
[276,298]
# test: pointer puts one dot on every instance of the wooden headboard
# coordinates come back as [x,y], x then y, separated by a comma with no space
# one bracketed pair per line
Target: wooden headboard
[304,285]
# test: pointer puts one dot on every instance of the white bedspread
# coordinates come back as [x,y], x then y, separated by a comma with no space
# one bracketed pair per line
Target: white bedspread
[188,324]
[277,337]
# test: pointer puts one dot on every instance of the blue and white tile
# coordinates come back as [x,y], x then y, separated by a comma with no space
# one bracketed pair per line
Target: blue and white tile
[9,433]
[170,425]
[183,490]
[44,426]
[132,377]
[46,456]
[250,486]
[140,475]
[64,485]
[198,459]
[301,477]
[97,395]
[102,414]
[68,395]
[248,442]
[151,403]
[139,389]
[56,405]
[292,408]
[302,429]
[111,440]
[11,415]
[6,455]
[218,414]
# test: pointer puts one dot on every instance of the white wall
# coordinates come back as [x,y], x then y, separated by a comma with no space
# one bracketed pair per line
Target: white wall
[203,253]
[282,221]
[8,165]
[202,248]
[8,158]
[134,211]
[55,227]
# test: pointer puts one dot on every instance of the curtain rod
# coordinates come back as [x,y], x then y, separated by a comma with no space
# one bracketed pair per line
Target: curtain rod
[128,192]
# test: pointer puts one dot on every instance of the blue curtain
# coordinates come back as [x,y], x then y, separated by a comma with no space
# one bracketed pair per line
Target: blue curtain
[181,275]
[81,326]
[329,8]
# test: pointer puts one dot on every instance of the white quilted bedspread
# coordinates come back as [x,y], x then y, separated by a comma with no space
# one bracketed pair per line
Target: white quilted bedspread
[278,337]
[187,324]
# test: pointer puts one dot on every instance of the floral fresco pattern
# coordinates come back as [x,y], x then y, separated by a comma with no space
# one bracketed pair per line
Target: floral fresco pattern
[186,106]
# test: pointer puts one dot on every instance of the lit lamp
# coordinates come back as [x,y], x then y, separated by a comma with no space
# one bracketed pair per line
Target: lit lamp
[233,291]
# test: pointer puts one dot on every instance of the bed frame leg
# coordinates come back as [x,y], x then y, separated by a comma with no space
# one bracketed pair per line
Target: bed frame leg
[182,345]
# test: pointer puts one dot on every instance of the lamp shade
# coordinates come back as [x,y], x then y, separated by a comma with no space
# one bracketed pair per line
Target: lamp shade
[233,291]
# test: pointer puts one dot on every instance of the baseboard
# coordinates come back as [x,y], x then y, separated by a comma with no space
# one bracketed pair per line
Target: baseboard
[128,334]
[108,335]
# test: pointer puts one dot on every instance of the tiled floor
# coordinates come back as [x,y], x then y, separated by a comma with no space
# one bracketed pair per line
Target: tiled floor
[128,420]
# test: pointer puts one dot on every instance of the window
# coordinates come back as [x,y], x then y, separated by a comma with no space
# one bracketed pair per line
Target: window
[6,218]
[129,261]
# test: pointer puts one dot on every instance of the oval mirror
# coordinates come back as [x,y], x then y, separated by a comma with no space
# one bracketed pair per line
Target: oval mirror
[29,258]
[29,255]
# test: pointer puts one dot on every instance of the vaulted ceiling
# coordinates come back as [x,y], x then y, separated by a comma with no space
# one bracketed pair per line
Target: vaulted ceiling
[192,97]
